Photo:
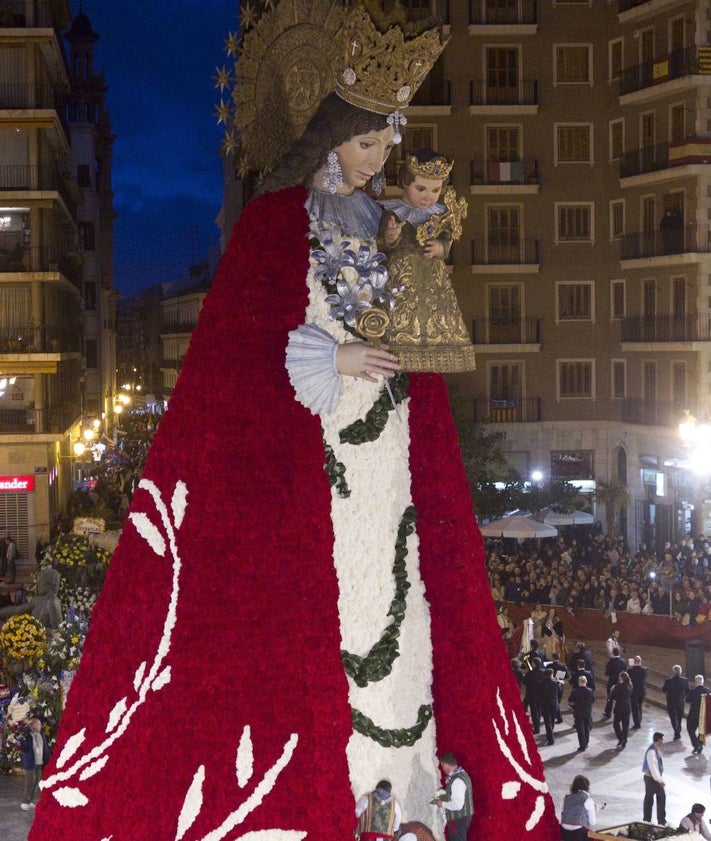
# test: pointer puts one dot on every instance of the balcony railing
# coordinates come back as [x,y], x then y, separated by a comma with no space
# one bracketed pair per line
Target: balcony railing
[693,238]
[525,252]
[626,5]
[483,92]
[179,327]
[37,421]
[672,66]
[504,172]
[42,258]
[486,13]
[524,331]
[651,412]
[666,328]
[425,13]
[690,150]
[27,178]
[513,410]
[19,96]
[44,339]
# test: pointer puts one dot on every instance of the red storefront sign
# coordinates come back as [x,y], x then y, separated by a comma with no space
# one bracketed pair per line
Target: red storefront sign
[17,484]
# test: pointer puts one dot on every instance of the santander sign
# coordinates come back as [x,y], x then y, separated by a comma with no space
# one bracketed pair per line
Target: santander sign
[17,484]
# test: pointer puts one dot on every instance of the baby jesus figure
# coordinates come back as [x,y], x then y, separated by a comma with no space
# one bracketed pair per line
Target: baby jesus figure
[427,332]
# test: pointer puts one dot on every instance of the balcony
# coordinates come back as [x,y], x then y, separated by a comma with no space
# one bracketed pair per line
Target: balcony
[651,412]
[44,339]
[27,179]
[486,13]
[524,331]
[523,253]
[433,92]
[513,410]
[179,327]
[43,258]
[484,93]
[666,328]
[504,173]
[440,14]
[672,66]
[691,239]
[676,153]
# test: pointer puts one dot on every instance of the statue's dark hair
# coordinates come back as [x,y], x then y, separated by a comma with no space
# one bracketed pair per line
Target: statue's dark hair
[334,122]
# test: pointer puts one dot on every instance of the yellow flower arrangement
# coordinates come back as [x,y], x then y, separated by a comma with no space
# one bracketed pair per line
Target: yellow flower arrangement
[23,637]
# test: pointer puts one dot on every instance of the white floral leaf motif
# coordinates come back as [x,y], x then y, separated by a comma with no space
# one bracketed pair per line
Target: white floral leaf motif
[162,680]
[510,789]
[244,763]
[70,797]
[192,805]
[179,502]
[148,532]
[138,677]
[273,835]
[116,715]
[94,768]
[72,746]
[537,813]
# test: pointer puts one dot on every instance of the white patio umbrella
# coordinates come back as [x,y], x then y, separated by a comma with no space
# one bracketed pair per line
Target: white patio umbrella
[568,518]
[518,526]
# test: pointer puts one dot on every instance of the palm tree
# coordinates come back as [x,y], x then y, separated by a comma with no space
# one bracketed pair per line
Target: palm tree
[614,498]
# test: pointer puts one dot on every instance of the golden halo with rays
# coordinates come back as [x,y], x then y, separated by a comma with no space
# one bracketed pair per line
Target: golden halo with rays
[287,64]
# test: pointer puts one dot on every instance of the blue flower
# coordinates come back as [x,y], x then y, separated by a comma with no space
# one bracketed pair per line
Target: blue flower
[346,303]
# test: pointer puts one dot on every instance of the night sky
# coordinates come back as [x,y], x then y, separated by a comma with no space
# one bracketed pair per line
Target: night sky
[159,61]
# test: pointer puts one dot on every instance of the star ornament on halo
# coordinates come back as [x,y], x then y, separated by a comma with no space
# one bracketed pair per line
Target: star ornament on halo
[232,44]
[229,144]
[222,78]
[248,16]
[222,112]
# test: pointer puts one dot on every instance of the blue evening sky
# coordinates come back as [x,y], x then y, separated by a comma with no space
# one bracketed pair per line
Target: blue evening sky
[159,59]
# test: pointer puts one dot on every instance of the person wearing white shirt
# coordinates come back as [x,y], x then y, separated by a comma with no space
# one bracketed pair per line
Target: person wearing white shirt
[652,770]
[579,813]
[458,799]
[694,821]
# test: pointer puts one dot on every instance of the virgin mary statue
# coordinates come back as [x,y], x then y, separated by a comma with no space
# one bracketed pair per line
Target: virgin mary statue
[298,606]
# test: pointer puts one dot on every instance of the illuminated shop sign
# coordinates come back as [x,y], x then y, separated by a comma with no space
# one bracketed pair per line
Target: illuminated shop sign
[17,484]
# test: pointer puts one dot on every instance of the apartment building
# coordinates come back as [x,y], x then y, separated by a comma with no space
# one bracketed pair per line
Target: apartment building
[581,133]
[47,202]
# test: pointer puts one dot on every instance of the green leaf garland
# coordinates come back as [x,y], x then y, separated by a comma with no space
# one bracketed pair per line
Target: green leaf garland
[378,662]
[336,471]
[369,428]
[397,738]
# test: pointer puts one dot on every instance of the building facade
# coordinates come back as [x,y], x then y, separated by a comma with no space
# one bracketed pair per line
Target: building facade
[44,268]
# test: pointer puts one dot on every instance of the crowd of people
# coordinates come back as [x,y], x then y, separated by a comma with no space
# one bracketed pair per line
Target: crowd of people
[586,569]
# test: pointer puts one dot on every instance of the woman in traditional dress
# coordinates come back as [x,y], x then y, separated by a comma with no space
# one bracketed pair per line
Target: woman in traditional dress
[273,636]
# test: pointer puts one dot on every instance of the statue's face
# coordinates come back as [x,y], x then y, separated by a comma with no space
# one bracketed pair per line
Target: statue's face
[363,156]
[422,193]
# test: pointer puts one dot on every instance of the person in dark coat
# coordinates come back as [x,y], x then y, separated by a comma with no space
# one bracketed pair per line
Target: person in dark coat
[675,689]
[549,703]
[560,672]
[581,699]
[581,653]
[621,698]
[614,668]
[694,696]
[638,675]
[581,671]
[532,681]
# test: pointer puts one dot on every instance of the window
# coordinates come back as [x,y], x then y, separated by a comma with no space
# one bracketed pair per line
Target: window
[617,299]
[503,234]
[502,77]
[414,137]
[678,379]
[572,64]
[505,324]
[89,295]
[575,378]
[574,143]
[92,353]
[574,222]
[505,380]
[86,233]
[502,143]
[617,139]
[575,301]
[677,121]
[615,58]
[84,175]
[617,218]
[618,379]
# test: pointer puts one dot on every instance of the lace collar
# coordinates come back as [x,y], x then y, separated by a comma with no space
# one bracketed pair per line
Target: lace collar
[414,215]
[356,214]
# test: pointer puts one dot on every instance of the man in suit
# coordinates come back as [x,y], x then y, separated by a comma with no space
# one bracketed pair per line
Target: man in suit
[549,703]
[580,671]
[615,666]
[638,675]
[560,672]
[532,681]
[675,689]
[581,698]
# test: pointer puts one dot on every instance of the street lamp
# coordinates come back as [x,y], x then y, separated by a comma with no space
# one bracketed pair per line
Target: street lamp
[696,436]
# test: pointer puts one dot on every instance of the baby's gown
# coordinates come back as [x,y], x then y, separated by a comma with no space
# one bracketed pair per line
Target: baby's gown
[212,701]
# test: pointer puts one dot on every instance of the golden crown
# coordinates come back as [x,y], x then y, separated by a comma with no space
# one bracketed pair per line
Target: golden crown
[382,71]
[436,168]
